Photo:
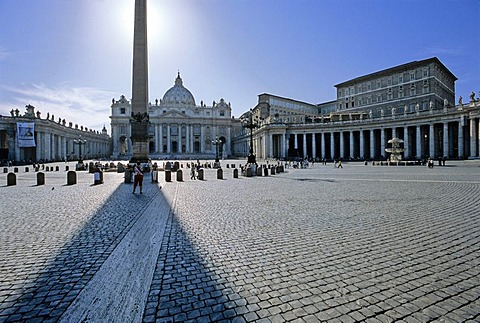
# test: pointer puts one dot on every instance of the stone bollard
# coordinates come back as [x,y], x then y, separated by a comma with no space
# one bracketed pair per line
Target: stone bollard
[47,169]
[249,172]
[71,178]
[15,169]
[127,176]
[11,179]
[67,168]
[98,177]
[40,178]
[168,176]
[5,170]
[27,169]
[233,165]
[277,168]
[272,171]
[179,175]
[200,174]
[265,171]
[57,168]
[219,173]
[259,171]
[228,166]
[235,173]
[176,166]
[37,169]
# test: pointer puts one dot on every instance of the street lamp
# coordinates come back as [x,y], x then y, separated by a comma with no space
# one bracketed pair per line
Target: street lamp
[216,142]
[80,141]
[251,123]
[425,145]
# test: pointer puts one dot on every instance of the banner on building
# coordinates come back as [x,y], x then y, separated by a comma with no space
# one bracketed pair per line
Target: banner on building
[25,131]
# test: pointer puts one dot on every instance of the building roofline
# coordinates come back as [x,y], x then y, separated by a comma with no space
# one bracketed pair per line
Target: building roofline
[285,98]
[398,68]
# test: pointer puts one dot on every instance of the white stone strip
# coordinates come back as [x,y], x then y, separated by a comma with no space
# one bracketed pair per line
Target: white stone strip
[119,290]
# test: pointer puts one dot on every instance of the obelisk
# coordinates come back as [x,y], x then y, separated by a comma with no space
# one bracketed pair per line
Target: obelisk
[139,118]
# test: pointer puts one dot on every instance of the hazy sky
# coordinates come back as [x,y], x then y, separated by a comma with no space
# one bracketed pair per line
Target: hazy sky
[71,57]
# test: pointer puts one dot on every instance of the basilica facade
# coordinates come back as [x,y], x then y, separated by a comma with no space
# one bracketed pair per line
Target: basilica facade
[178,127]
[414,102]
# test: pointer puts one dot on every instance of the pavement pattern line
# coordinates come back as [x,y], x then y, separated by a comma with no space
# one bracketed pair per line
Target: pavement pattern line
[116,290]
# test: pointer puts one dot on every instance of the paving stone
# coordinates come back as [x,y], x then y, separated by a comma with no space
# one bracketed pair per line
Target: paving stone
[320,244]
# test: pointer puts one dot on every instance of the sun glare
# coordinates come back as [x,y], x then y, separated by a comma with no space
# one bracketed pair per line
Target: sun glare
[156,19]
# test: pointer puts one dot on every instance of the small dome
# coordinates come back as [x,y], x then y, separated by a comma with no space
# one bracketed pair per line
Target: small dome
[178,94]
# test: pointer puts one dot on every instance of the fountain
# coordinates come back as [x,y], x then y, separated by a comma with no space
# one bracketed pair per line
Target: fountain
[395,151]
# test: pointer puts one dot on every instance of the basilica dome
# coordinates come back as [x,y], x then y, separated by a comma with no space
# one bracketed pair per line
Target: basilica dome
[178,94]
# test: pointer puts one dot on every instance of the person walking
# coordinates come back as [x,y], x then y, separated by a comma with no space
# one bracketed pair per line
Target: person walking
[137,178]
[192,172]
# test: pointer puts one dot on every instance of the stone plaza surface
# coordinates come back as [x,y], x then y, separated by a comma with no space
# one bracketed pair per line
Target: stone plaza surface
[358,244]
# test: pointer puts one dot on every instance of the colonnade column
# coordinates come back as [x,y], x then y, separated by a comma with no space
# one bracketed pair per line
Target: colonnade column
[461,150]
[314,147]
[445,140]
[48,146]
[372,144]
[362,148]
[473,137]
[431,144]
[418,153]
[270,145]
[322,144]
[282,145]
[406,152]
[332,145]
[382,142]
[295,142]
[304,145]
[351,144]
[342,150]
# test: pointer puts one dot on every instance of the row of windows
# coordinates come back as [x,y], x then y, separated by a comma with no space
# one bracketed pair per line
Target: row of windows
[174,130]
[391,94]
[385,82]
[222,112]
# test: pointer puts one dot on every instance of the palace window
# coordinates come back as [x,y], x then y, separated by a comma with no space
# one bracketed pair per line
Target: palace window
[425,72]
[412,76]
[389,81]
[400,79]
[222,113]
[122,110]
[413,91]
[122,130]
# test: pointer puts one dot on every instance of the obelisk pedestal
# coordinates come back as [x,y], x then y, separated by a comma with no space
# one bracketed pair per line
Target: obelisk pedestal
[139,118]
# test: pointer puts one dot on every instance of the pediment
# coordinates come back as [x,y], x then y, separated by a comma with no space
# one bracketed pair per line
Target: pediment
[174,114]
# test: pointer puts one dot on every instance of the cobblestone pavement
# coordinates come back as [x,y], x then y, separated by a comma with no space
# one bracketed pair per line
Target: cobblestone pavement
[374,244]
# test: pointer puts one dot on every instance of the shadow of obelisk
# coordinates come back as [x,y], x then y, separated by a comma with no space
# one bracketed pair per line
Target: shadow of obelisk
[139,117]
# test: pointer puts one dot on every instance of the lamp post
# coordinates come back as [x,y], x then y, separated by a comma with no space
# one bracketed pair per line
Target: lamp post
[216,142]
[425,146]
[251,123]
[80,141]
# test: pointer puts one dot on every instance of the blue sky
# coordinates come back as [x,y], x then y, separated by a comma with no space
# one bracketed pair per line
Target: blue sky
[71,57]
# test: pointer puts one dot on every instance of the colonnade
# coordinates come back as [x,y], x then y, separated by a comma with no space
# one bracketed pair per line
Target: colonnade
[450,137]
[53,146]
